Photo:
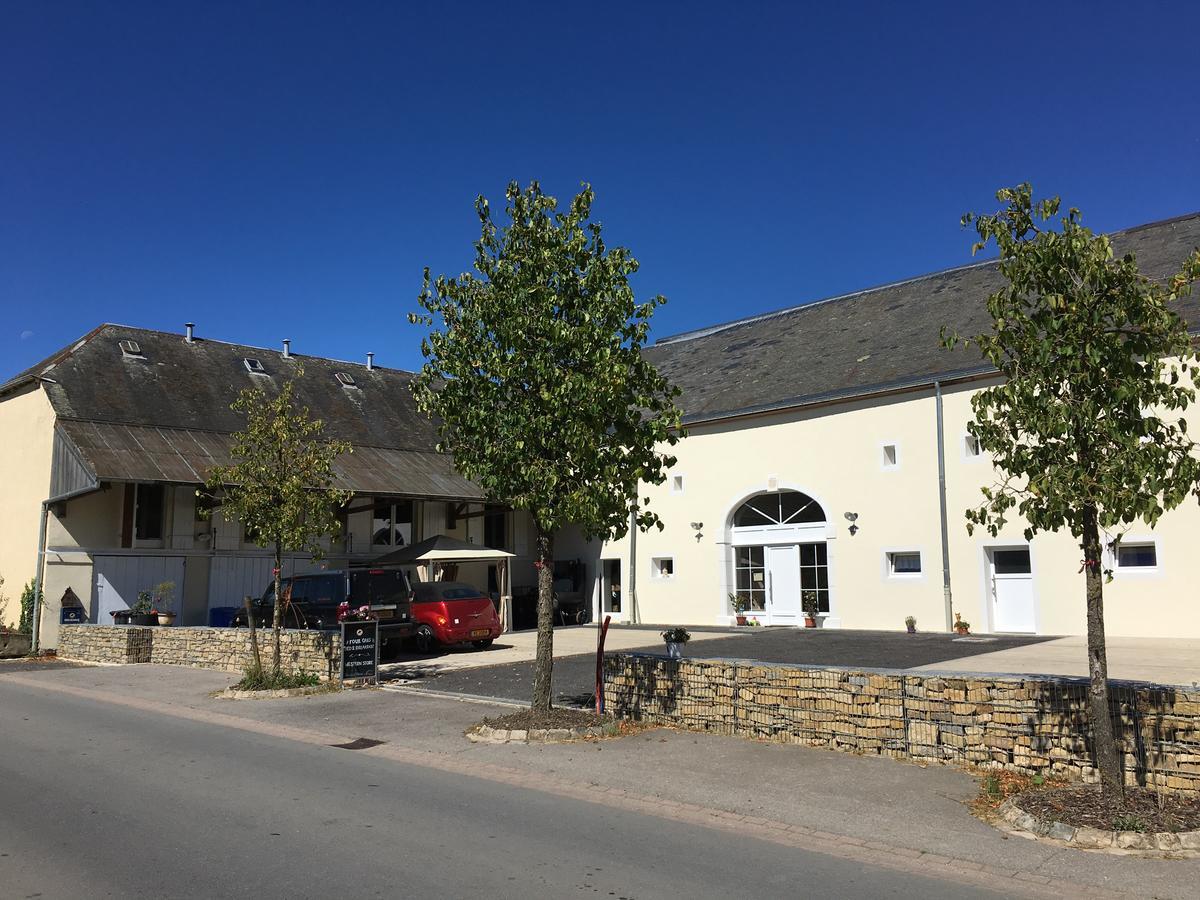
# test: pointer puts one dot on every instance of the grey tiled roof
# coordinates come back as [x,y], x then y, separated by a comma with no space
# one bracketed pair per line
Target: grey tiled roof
[872,340]
[166,417]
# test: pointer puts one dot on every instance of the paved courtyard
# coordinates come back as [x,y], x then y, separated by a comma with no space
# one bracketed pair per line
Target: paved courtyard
[574,674]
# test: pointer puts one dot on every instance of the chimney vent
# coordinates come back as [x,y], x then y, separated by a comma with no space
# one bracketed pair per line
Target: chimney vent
[287,349]
[370,361]
[189,326]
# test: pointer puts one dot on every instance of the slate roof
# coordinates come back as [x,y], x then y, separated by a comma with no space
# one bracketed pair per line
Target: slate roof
[166,417]
[871,341]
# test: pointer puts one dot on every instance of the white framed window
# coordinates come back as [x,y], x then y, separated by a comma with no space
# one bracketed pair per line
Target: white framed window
[890,455]
[1136,556]
[392,523]
[662,567]
[971,448]
[676,484]
[904,564]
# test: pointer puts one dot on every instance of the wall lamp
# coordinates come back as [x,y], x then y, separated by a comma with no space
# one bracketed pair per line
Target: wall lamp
[852,517]
[697,526]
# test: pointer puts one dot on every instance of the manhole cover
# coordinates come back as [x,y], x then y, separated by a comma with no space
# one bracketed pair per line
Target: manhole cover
[359,744]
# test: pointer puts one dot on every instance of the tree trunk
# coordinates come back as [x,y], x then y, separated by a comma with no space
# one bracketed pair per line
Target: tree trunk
[1108,757]
[249,604]
[544,664]
[278,622]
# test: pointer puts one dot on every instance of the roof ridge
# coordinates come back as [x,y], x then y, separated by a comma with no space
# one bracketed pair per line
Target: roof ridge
[707,330]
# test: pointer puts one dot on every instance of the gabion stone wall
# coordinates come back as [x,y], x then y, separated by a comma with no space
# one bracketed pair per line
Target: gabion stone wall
[1032,725]
[227,649]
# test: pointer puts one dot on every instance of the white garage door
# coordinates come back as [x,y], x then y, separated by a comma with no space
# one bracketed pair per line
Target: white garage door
[233,578]
[117,580]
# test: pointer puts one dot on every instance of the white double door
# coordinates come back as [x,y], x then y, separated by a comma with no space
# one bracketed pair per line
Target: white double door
[782,564]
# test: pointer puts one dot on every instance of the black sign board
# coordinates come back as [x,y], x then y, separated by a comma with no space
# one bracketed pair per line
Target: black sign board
[360,650]
[73,615]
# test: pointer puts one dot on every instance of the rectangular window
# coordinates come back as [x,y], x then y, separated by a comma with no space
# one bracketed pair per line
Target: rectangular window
[1142,555]
[676,484]
[662,567]
[148,512]
[891,456]
[904,563]
[391,523]
[971,447]
[751,578]
[814,573]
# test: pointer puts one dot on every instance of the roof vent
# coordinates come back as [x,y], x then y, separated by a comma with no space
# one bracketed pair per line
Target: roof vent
[132,349]
[190,326]
[370,361]
[287,349]
[254,367]
[344,380]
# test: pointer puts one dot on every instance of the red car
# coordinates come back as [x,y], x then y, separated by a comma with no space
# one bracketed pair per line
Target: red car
[450,612]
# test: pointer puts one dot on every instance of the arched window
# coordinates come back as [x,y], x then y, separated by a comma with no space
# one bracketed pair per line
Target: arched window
[780,508]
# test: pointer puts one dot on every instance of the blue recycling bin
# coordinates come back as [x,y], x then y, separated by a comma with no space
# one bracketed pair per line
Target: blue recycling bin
[221,616]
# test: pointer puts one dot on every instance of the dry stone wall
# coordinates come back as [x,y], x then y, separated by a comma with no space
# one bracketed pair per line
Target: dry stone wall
[1038,726]
[227,649]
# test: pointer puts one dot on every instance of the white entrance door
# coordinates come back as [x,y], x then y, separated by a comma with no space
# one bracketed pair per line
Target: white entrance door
[783,584]
[119,578]
[1013,606]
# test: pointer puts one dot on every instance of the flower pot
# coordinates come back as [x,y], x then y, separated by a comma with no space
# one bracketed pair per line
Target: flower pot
[741,620]
[810,622]
[912,629]
[674,650]
[963,631]
[144,619]
[121,617]
[166,618]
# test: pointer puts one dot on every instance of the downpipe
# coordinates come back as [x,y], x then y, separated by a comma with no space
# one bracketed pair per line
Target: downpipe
[941,460]
[35,638]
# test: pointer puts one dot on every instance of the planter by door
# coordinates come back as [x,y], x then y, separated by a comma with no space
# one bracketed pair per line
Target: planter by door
[166,618]
[674,650]
[146,619]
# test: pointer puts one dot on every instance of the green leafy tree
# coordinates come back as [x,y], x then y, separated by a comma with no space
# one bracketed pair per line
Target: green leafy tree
[537,378]
[280,486]
[29,594]
[1087,426]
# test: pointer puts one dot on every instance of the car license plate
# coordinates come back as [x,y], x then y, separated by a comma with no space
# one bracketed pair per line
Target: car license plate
[480,632]
[384,613]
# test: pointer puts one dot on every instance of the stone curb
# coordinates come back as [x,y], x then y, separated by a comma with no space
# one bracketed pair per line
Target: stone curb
[1154,845]
[232,694]
[486,734]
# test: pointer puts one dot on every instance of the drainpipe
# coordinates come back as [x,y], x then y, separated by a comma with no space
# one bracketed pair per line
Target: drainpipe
[37,578]
[941,458]
[632,579]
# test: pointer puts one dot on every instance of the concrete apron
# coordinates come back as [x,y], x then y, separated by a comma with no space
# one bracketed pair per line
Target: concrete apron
[1159,660]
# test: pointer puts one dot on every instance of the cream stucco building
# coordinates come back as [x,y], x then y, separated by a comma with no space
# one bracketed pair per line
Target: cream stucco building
[824,443]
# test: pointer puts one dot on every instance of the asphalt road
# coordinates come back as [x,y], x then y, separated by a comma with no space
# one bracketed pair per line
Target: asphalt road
[575,676]
[108,801]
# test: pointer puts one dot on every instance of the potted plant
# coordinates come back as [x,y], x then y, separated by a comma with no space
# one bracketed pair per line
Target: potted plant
[910,622]
[164,600]
[961,626]
[812,608]
[740,603]
[675,639]
[142,612]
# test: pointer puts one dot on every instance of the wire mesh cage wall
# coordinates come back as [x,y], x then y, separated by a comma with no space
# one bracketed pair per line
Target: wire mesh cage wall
[1035,725]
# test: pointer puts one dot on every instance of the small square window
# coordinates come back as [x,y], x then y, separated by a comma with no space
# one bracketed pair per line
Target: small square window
[1137,556]
[662,567]
[904,563]
[676,484]
[891,456]
[971,446]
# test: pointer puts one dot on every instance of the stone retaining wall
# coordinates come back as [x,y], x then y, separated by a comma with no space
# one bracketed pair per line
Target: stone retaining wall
[227,649]
[1036,725]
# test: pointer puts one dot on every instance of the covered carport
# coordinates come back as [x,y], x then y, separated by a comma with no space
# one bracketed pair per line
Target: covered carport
[438,558]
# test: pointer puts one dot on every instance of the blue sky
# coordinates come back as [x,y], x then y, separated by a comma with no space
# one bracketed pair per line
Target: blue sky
[273,170]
